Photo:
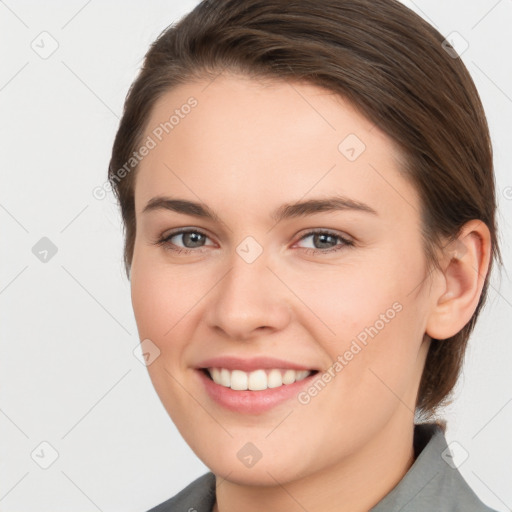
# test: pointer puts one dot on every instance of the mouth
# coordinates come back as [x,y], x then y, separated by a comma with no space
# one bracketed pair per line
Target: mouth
[253,385]
[255,389]
[256,380]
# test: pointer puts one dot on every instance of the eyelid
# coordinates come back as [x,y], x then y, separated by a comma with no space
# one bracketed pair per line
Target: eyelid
[183,230]
[346,240]
[164,238]
[325,231]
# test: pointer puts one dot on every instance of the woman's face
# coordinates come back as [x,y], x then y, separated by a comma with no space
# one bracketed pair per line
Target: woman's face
[256,290]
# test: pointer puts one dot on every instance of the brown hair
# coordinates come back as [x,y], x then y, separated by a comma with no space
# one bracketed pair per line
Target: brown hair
[390,64]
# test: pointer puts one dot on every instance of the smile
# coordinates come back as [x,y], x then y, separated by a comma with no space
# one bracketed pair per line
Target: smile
[256,380]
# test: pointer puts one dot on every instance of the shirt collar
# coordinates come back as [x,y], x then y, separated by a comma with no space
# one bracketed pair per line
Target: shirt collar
[433,482]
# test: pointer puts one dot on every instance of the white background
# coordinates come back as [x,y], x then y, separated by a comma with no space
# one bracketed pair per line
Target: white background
[68,374]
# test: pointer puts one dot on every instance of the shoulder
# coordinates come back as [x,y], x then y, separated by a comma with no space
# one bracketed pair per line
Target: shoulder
[448,484]
[198,496]
[433,482]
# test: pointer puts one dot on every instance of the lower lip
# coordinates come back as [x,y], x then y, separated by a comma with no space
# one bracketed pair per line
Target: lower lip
[252,402]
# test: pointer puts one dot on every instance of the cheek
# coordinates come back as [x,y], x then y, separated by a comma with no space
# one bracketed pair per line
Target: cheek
[158,304]
[372,302]
[343,300]
[379,326]
[147,303]
[162,304]
[161,296]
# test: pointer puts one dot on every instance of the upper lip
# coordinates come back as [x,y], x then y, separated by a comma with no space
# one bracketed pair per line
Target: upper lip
[247,365]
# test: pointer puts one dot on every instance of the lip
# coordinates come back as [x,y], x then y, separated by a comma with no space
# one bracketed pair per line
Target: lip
[251,402]
[249,365]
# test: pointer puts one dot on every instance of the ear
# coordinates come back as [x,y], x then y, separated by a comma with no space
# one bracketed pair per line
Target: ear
[465,264]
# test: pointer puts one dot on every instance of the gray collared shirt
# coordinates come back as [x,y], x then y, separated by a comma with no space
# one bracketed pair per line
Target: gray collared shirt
[431,484]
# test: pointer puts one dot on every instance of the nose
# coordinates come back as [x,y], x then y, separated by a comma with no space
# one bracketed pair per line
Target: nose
[249,300]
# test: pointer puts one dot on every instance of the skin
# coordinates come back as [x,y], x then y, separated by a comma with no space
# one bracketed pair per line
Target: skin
[247,148]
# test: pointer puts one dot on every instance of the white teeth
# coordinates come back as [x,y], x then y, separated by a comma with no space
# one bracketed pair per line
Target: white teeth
[274,379]
[225,378]
[215,373]
[289,377]
[239,380]
[256,380]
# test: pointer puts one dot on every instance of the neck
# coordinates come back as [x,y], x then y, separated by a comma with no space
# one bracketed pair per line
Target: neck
[355,484]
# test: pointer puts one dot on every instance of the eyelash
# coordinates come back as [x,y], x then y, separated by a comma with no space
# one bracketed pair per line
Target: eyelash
[164,241]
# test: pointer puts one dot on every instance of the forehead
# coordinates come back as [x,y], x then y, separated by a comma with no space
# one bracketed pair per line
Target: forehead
[241,141]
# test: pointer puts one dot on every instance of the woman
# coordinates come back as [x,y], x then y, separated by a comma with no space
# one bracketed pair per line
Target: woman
[308,196]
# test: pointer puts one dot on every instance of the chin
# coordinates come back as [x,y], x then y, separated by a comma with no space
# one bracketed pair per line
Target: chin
[262,477]
[277,469]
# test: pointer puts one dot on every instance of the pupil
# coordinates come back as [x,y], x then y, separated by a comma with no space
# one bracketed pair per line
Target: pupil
[192,236]
[322,236]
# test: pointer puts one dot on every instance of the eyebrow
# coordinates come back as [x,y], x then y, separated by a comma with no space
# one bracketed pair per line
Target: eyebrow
[285,211]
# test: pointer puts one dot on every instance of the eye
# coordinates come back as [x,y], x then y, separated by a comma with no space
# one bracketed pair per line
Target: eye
[192,240]
[327,241]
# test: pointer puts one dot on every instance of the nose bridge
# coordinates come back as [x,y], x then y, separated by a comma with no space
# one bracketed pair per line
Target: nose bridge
[249,296]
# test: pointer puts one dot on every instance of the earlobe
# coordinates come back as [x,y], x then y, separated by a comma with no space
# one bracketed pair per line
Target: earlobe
[465,264]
